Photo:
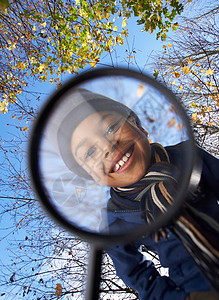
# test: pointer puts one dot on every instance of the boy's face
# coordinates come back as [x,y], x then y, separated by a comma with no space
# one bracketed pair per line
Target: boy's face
[112,149]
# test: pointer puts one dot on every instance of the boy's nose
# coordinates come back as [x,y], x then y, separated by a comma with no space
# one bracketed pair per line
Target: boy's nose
[112,147]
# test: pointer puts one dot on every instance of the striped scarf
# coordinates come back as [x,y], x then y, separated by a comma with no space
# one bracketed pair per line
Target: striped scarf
[153,194]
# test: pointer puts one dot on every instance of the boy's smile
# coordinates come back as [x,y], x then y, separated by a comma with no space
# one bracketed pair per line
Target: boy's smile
[122,161]
[113,150]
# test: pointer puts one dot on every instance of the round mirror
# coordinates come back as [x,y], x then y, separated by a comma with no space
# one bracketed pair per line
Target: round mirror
[102,155]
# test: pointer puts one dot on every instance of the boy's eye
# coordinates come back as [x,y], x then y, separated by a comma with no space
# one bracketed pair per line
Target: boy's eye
[113,128]
[90,152]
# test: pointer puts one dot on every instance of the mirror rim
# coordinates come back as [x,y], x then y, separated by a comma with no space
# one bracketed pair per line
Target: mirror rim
[34,170]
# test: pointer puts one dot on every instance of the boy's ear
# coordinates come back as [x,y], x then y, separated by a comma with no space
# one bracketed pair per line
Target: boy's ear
[133,120]
[143,130]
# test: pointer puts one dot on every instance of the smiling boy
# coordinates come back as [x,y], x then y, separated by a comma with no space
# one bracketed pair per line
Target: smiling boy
[114,148]
[102,140]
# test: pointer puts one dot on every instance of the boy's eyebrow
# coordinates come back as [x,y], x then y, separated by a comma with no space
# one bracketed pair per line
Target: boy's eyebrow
[79,145]
[100,123]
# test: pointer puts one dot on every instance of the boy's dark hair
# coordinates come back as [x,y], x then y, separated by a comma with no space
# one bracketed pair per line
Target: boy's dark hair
[88,104]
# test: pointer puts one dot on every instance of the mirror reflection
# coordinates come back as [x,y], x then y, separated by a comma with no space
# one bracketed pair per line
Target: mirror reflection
[108,152]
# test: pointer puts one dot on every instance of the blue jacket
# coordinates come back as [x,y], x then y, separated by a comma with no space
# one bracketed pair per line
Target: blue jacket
[184,275]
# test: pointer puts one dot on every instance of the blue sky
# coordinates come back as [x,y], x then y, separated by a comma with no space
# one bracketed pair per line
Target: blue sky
[146,47]
[144,44]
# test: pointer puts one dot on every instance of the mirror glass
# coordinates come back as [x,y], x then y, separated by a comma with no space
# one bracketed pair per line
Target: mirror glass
[92,149]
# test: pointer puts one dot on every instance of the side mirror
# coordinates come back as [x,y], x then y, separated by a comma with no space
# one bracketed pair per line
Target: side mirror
[79,202]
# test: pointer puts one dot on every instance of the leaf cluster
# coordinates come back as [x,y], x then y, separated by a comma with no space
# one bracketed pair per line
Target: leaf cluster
[45,39]
[156,14]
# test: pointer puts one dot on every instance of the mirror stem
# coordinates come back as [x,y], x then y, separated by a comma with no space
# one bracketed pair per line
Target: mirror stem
[94,273]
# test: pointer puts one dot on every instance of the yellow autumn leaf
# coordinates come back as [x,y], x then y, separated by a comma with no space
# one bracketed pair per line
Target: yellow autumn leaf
[115,28]
[177,74]
[180,126]
[172,82]
[25,128]
[41,67]
[70,70]
[194,117]
[186,70]
[21,65]
[156,73]
[171,123]
[151,29]
[93,64]
[34,28]
[44,24]
[180,87]
[106,15]
[3,106]
[125,32]
[169,45]
[98,14]
[124,22]
[190,61]
[209,71]
[140,90]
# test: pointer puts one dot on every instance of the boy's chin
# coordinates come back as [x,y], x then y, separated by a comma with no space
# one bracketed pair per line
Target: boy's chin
[122,183]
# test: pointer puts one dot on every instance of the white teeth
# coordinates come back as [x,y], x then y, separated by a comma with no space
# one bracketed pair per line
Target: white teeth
[122,162]
[116,168]
[125,158]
